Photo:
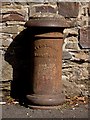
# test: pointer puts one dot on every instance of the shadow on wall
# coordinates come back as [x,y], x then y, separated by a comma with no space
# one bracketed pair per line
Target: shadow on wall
[20,55]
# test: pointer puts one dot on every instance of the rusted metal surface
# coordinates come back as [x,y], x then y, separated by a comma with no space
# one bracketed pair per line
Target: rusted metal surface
[47,83]
[47,22]
[85,37]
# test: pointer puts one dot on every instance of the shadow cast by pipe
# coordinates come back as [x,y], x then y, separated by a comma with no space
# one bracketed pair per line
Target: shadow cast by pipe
[20,55]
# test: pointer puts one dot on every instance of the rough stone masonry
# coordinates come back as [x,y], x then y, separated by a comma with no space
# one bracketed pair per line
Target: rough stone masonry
[76,47]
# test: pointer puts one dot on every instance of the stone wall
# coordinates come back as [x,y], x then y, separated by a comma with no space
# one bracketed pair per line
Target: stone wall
[76,52]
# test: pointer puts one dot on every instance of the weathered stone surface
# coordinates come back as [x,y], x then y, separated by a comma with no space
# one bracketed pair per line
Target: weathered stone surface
[71,31]
[81,55]
[70,89]
[6,41]
[20,28]
[10,23]
[76,73]
[85,37]
[10,30]
[73,46]
[89,9]
[41,9]
[7,70]
[6,85]
[68,9]
[75,79]
[0,18]
[89,21]
[1,94]
[2,24]
[5,3]
[12,17]
[45,9]
[13,11]
[71,43]
[0,65]
[71,39]
[66,55]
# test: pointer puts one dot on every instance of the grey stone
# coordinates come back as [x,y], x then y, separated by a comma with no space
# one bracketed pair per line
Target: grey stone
[73,46]
[70,89]
[66,55]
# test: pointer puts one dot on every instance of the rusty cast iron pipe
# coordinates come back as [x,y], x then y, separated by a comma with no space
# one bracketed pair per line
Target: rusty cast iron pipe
[47,74]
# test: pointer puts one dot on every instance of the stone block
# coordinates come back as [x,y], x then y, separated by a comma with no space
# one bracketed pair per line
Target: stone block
[70,89]
[14,14]
[10,29]
[66,55]
[81,56]
[71,40]
[85,37]
[12,17]
[6,41]
[68,9]
[89,9]
[42,10]
[10,23]
[7,70]
[73,46]
[70,31]
[5,3]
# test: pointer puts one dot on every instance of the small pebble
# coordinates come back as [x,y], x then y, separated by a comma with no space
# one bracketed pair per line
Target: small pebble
[2,103]
[27,113]
[61,111]
[76,105]
[16,102]
[73,108]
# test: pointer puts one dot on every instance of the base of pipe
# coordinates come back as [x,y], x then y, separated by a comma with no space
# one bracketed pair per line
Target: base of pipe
[46,100]
[44,107]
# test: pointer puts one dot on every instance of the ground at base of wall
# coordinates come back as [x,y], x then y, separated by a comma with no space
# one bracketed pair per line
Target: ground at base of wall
[17,111]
